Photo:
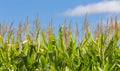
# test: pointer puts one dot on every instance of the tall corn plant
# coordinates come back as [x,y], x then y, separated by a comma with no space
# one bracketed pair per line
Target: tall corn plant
[35,49]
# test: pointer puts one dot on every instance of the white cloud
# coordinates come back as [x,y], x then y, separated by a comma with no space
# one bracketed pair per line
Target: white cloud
[114,0]
[101,7]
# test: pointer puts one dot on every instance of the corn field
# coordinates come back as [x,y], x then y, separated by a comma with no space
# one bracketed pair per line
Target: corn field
[35,49]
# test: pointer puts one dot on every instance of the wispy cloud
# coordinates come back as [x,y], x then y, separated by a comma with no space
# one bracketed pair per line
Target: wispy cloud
[101,7]
[114,0]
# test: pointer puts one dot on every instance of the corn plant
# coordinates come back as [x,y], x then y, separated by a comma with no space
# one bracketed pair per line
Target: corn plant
[34,49]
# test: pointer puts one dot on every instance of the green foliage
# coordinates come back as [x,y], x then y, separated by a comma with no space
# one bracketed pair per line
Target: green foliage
[43,51]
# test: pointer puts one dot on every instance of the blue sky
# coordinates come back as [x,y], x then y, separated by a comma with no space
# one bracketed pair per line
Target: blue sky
[58,10]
